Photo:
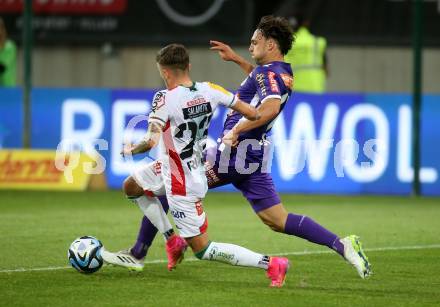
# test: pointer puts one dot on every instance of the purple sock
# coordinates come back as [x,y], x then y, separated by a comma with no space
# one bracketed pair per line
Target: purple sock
[306,228]
[146,234]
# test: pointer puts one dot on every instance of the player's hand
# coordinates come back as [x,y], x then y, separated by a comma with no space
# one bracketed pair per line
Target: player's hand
[224,50]
[230,138]
[127,150]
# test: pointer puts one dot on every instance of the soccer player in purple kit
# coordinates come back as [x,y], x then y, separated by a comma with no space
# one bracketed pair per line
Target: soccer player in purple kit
[268,86]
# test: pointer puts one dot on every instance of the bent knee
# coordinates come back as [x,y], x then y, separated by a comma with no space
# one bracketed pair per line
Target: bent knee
[198,243]
[131,188]
[275,225]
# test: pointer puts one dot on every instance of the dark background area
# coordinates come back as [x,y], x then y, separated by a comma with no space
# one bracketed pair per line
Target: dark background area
[343,22]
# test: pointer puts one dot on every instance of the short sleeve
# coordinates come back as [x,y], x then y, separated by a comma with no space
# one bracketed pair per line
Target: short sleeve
[159,112]
[267,83]
[221,95]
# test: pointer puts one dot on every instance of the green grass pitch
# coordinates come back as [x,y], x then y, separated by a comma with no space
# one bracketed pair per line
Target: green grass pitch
[401,235]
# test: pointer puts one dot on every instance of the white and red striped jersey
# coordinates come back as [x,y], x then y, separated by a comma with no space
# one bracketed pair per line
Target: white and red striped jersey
[185,114]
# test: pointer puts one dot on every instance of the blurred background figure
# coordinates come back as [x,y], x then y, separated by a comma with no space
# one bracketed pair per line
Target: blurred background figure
[8,55]
[308,58]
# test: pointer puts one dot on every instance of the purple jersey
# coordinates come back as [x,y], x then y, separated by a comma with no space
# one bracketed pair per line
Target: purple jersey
[273,80]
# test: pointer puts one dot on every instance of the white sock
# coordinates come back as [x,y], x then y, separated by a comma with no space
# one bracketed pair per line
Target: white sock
[235,255]
[152,209]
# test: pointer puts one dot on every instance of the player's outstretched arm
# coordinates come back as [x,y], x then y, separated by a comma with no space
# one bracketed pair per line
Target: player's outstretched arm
[248,111]
[267,111]
[228,54]
[150,140]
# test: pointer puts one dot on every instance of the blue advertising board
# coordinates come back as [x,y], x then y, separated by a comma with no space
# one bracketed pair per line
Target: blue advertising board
[78,114]
[11,118]
[126,105]
[377,126]
[331,143]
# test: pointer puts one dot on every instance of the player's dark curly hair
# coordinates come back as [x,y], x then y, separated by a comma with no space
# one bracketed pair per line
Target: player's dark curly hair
[175,56]
[279,29]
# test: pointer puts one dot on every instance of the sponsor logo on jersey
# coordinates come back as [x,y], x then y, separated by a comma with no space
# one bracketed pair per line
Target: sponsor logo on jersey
[211,176]
[158,101]
[273,83]
[260,81]
[197,110]
[178,214]
[196,101]
[287,79]
[193,164]
[157,168]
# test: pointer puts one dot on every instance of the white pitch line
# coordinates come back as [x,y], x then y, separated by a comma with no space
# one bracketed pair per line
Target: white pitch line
[303,253]
[374,249]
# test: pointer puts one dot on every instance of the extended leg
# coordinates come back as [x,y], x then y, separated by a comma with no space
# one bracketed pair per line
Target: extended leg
[350,248]
[278,219]
[192,224]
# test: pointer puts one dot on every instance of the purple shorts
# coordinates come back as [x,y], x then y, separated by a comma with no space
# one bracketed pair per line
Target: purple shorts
[258,188]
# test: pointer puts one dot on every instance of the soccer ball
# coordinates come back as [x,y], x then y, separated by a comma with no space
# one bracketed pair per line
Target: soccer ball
[84,254]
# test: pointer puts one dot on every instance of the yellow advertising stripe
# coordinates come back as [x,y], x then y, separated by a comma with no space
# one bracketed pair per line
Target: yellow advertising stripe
[43,170]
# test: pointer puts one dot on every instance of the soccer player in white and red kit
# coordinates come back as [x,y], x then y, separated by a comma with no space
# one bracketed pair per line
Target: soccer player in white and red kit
[181,115]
